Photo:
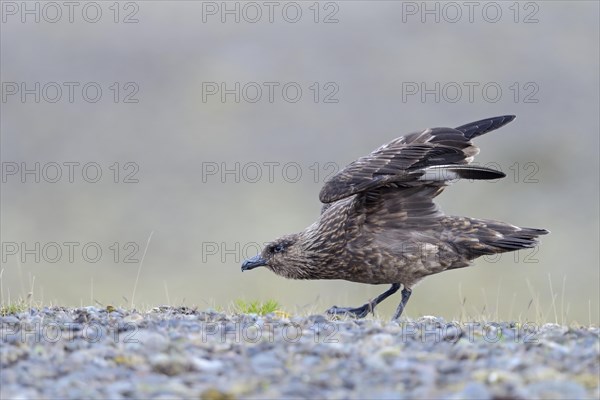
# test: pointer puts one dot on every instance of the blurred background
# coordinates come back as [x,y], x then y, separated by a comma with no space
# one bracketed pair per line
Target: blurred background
[187,134]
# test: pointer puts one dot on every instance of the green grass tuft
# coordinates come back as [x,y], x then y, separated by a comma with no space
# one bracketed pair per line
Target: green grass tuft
[13,308]
[255,307]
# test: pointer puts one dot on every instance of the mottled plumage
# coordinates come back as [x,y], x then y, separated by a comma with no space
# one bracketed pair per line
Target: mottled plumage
[379,224]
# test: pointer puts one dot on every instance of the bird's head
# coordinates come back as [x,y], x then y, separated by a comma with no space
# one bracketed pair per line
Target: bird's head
[284,256]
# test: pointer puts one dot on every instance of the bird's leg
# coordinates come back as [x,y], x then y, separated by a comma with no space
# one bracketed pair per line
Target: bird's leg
[362,311]
[406,292]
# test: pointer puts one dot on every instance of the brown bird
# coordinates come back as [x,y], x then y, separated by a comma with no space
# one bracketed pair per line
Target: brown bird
[379,224]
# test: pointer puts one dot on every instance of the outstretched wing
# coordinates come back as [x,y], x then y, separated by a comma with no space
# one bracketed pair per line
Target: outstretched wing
[421,159]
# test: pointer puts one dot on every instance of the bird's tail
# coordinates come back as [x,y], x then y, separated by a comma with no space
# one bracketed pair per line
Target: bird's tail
[493,237]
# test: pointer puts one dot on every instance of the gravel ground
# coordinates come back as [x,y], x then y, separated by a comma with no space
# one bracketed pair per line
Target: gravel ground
[183,353]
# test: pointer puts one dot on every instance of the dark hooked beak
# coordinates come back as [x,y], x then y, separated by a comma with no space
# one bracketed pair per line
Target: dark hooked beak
[251,263]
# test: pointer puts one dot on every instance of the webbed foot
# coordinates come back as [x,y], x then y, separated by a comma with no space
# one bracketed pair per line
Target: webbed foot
[356,312]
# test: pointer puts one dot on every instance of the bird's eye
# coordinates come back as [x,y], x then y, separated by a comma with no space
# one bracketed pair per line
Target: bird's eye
[278,248]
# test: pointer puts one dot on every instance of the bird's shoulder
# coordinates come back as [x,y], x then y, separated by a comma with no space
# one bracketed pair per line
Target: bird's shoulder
[387,208]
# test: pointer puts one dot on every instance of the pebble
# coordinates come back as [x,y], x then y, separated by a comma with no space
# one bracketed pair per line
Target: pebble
[181,352]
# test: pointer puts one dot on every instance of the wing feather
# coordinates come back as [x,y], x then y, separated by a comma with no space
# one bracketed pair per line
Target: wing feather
[404,160]
[478,128]
[395,185]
